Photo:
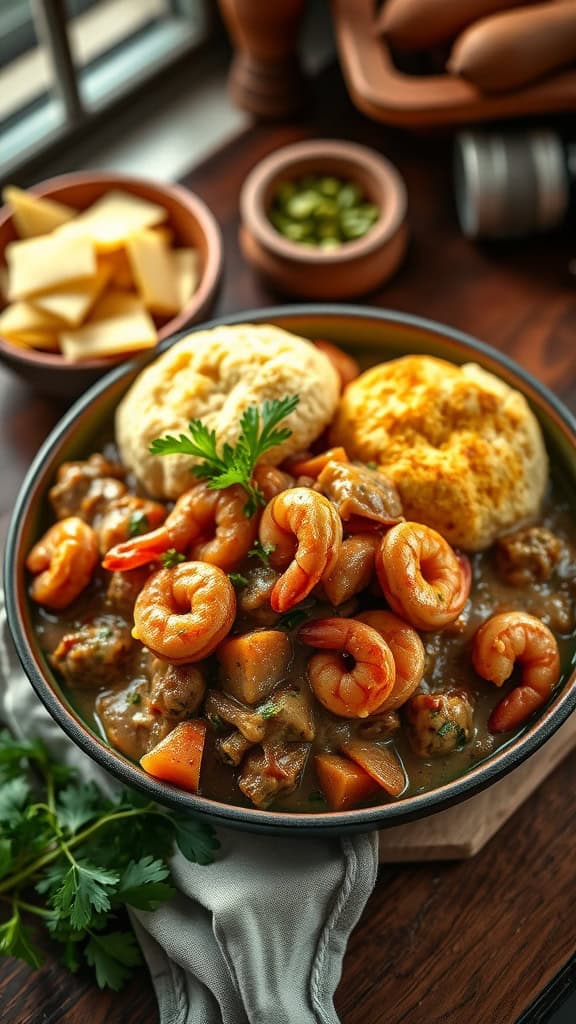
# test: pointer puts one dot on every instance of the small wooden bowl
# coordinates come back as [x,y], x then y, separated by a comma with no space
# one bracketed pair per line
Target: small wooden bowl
[355,267]
[193,225]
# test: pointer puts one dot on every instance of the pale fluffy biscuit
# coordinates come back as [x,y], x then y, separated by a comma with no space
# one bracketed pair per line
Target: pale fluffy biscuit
[463,448]
[214,375]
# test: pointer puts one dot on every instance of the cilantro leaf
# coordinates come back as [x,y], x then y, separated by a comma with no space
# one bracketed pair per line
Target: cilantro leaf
[78,805]
[5,856]
[233,464]
[261,551]
[112,955]
[291,619]
[86,888]
[269,709]
[16,940]
[70,844]
[142,884]
[138,523]
[238,579]
[171,558]
[13,797]
[194,839]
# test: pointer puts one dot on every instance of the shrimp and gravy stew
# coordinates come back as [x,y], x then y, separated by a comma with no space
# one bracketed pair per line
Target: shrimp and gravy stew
[286,584]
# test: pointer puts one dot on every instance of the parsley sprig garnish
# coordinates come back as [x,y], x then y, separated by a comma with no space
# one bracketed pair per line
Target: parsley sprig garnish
[73,860]
[233,464]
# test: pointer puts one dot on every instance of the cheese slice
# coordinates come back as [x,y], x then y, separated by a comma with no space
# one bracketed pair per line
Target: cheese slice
[154,272]
[116,336]
[72,303]
[22,317]
[39,264]
[113,218]
[187,263]
[116,303]
[46,341]
[33,215]
[120,269]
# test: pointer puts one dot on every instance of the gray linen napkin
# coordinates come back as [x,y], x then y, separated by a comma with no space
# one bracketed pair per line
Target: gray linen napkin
[259,936]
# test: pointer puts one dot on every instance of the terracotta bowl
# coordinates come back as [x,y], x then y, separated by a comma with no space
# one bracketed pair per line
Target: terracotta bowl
[354,268]
[193,225]
[372,336]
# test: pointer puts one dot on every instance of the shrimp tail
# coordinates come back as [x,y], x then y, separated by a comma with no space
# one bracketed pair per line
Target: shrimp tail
[291,588]
[131,554]
[515,709]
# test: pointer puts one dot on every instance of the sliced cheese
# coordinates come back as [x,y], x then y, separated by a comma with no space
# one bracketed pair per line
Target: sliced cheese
[187,265]
[120,269]
[23,317]
[46,341]
[113,217]
[112,337]
[39,264]
[154,272]
[34,215]
[116,303]
[73,302]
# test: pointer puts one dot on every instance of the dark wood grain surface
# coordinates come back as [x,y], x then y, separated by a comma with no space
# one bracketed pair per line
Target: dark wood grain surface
[472,942]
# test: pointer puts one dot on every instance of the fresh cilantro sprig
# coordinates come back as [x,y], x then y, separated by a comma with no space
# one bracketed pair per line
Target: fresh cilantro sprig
[171,558]
[259,433]
[72,860]
[261,551]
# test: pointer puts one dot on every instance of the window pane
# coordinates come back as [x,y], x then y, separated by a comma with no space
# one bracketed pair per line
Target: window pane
[28,109]
[116,43]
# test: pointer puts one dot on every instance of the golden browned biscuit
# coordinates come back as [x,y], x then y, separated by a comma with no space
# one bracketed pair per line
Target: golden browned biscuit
[214,376]
[464,450]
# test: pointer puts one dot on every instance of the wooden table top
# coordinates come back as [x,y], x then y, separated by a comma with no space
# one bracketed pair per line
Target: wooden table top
[475,941]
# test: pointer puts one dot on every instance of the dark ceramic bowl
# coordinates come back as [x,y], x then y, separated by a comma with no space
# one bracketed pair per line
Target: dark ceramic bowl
[373,335]
[193,225]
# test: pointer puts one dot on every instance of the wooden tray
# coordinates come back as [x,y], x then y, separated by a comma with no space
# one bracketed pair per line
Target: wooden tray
[383,92]
[461,831]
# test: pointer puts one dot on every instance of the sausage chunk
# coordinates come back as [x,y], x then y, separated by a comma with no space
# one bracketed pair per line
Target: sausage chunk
[360,494]
[83,488]
[176,691]
[528,556]
[438,723]
[94,655]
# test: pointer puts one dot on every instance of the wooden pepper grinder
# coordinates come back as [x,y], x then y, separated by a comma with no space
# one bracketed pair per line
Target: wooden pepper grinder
[265,76]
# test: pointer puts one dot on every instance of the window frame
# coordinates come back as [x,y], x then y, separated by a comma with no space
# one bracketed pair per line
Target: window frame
[83,99]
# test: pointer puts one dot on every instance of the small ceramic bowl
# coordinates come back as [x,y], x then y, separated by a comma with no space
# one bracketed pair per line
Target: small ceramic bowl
[373,335]
[193,225]
[356,267]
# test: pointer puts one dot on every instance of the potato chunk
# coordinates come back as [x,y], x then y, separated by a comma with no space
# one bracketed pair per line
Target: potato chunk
[253,664]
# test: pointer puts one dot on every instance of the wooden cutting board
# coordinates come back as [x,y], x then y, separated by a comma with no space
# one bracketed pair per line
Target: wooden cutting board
[461,831]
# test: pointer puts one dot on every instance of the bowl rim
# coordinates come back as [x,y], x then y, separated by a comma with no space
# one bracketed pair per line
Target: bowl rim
[278,164]
[385,815]
[206,286]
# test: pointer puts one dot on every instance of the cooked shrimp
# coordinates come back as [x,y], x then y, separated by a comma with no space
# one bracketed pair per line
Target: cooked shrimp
[197,513]
[271,480]
[353,570]
[422,577]
[306,521]
[346,367]
[407,651]
[127,516]
[503,640]
[354,692]
[63,562]
[182,614]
